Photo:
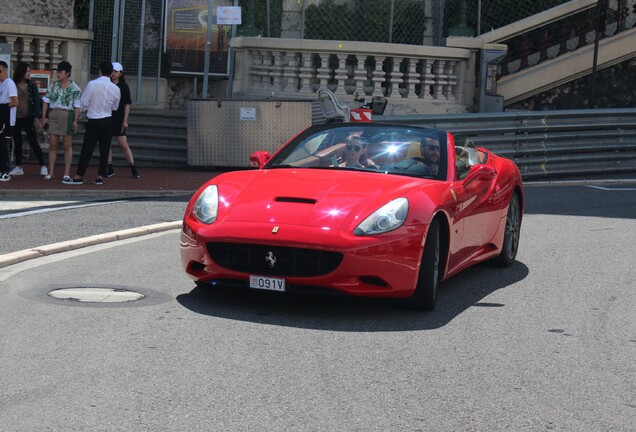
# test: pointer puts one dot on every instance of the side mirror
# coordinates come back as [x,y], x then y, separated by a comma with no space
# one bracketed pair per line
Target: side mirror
[259,159]
[480,173]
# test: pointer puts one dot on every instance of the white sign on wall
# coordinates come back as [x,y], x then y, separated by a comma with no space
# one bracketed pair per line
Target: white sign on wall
[228,15]
[248,113]
[5,55]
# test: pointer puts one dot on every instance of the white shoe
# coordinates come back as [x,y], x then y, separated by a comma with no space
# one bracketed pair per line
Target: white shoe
[17,171]
[44,170]
[5,177]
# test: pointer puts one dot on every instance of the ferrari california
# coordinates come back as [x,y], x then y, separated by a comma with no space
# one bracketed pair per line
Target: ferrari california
[365,209]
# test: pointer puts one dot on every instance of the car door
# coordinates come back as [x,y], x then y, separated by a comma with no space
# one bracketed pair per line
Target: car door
[480,215]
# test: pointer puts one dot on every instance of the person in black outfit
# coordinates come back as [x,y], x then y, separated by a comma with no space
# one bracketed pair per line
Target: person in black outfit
[120,121]
[27,118]
[5,143]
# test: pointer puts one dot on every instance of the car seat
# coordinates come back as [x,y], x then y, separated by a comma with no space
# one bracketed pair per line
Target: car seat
[331,108]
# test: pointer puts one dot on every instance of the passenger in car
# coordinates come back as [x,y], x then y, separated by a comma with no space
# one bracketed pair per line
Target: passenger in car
[356,153]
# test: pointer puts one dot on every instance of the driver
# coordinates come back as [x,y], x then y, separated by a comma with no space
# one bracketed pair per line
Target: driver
[429,148]
[356,153]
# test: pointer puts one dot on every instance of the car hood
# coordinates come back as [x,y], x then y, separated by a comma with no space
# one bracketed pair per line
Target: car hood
[307,197]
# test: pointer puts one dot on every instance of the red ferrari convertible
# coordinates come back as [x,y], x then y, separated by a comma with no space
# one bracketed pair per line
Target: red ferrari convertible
[366,209]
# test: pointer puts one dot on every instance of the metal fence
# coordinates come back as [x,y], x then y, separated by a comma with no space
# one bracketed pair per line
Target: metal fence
[413,22]
[481,16]
[130,32]
[547,145]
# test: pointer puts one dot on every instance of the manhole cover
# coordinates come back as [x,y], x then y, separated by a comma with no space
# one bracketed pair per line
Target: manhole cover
[96,295]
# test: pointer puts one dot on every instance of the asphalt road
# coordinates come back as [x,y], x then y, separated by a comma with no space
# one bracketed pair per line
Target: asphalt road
[545,345]
[28,223]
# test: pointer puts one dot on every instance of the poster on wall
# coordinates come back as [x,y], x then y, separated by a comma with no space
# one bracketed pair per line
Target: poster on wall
[42,79]
[5,55]
[186,27]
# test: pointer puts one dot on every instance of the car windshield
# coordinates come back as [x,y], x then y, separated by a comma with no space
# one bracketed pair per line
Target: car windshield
[386,149]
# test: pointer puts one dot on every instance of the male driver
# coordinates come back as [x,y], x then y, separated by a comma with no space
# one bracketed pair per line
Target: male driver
[8,109]
[100,99]
[429,148]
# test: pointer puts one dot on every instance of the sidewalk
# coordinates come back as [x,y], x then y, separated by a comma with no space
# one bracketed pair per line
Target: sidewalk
[153,182]
[178,182]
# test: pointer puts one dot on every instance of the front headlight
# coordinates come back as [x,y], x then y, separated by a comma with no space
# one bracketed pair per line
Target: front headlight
[387,218]
[207,205]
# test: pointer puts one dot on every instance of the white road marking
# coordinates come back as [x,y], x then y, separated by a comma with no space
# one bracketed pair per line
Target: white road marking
[46,210]
[19,205]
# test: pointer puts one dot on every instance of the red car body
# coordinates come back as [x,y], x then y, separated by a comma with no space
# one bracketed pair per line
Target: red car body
[308,212]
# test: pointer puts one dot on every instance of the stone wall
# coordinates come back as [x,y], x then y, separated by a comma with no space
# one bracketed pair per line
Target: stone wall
[180,89]
[58,14]
[615,88]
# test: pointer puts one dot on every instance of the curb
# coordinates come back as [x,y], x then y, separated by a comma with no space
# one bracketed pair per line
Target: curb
[57,193]
[65,246]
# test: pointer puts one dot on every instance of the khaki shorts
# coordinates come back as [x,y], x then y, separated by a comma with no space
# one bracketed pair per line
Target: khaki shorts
[61,122]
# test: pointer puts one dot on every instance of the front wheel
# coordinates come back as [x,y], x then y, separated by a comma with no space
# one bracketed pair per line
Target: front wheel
[425,294]
[510,244]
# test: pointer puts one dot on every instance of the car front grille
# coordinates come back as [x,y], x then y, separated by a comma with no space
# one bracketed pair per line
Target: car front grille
[267,260]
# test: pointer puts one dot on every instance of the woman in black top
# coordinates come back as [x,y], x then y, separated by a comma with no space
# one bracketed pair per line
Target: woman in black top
[120,121]
[27,118]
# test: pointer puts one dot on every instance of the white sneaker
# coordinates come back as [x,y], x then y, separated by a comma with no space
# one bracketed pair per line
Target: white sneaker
[17,171]
[44,170]
[5,177]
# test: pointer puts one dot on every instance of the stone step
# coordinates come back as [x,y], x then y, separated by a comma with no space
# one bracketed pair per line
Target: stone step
[157,138]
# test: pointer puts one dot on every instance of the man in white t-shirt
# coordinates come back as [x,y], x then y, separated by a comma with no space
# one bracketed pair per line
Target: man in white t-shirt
[8,109]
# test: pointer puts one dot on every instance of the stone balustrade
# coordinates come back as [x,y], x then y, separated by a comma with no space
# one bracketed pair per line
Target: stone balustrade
[414,79]
[44,47]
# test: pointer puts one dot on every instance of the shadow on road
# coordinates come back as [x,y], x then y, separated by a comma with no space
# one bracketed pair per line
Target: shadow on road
[354,314]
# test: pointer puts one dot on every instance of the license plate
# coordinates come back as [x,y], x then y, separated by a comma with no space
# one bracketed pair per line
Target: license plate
[267,283]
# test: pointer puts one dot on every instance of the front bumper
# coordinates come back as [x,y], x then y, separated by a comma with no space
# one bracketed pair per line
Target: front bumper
[384,265]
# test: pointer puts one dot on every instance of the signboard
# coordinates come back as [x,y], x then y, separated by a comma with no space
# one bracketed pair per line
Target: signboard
[186,26]
[248,114]
[42,79]
[5,55]
[228,15]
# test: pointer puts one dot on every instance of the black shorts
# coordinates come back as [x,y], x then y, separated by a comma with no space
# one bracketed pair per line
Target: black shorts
[118,127]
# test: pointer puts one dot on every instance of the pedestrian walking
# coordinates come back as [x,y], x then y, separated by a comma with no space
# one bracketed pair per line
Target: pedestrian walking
[63,99]
[120,121]
[101,97]
[8,106]
[27,118]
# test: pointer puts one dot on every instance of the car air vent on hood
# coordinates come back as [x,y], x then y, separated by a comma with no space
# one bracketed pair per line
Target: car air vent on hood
[296,200]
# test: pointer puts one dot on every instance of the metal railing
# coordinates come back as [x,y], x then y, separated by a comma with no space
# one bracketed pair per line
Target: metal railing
[547,144]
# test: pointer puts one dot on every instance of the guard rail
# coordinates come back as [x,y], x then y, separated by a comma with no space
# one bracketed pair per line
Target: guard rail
[547,144]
